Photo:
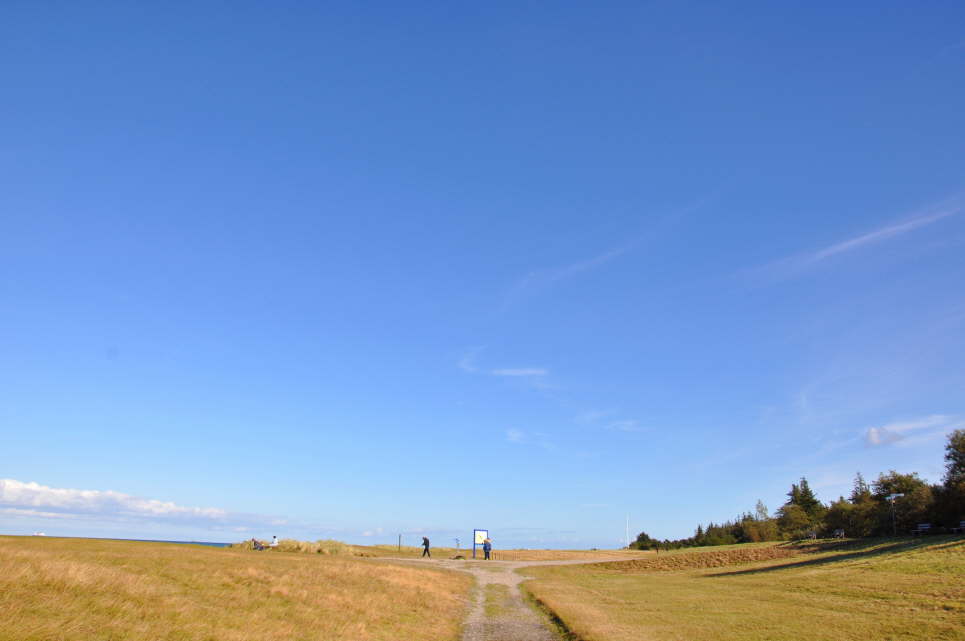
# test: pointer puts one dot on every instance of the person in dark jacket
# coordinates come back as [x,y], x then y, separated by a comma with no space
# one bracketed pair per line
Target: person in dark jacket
[425,547]
[487,548]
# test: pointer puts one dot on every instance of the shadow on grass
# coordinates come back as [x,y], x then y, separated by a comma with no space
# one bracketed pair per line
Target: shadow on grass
[862,549]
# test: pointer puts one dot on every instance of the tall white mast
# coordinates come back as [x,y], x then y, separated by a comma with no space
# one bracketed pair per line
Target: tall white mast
[628,531]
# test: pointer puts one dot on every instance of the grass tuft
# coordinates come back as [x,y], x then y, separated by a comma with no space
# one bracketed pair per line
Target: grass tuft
[322,546]
[496,595]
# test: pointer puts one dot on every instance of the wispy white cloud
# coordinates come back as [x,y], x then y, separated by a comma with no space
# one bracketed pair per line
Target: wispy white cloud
[29,499]
[891,433]
[467,362]
[881,234]
[626,425]
[606,419]
[592,416]
[654,225]
[876,436]
[547,276]
[521,371]
[798,263]
[542,278]
[540,440]
[33,495]
[17,511]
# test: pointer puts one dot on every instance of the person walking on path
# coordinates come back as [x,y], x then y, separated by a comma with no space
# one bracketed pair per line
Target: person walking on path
[487,548]
[425,546]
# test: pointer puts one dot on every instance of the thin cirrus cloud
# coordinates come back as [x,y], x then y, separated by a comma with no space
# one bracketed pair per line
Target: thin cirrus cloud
[547,276]
[592,416]
[467,363]
[627,425]
[795,265]
[515,436]
[521,371]
[541,440]
[881,234]
[924,427]
[29,499]
[539,279]
[609,420]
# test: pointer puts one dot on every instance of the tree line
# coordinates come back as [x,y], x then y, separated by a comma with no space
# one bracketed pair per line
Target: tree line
[892,504]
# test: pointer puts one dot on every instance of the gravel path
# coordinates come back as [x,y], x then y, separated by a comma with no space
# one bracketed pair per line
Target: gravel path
[498,611]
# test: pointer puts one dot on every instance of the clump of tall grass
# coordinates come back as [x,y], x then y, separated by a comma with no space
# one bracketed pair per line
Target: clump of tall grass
[322,546]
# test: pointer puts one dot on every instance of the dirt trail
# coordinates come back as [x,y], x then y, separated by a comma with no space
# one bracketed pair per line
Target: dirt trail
[498,611]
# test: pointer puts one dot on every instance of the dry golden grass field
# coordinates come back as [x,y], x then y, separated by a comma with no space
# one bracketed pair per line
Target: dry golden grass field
[503,555]
[97,590]
[857,591]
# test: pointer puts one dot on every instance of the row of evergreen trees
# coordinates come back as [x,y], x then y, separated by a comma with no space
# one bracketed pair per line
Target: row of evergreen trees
[893,504]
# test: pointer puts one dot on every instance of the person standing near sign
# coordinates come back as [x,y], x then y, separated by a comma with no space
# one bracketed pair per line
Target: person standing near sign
[487,548]
[425,546]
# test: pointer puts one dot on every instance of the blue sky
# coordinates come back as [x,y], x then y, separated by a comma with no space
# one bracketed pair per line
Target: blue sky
[353,271]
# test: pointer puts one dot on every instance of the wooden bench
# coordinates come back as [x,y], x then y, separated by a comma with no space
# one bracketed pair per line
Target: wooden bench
[921,529]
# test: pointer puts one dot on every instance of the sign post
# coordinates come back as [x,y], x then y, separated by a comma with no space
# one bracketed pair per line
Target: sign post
[478,538]
[894,522]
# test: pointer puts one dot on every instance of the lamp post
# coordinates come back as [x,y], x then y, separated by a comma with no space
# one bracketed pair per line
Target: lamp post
[894,522]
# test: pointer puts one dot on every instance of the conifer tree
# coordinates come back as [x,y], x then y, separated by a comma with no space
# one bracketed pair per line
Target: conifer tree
[794,496]
[760,512]
[861,491]
[806,499]
[955,458]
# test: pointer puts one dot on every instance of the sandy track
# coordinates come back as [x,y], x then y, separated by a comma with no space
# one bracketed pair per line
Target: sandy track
[509,618]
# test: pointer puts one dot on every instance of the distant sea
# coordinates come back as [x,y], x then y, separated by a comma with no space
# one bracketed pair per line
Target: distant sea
[213,544]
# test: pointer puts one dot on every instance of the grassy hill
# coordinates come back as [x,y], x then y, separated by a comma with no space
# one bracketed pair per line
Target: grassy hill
[94,590]
[877,589]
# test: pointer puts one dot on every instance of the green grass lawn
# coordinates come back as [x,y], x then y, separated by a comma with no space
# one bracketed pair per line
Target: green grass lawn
[861,591]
